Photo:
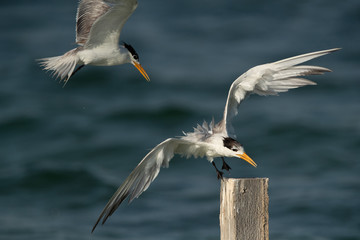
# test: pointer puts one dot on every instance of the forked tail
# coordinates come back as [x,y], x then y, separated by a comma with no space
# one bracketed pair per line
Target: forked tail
[62,66]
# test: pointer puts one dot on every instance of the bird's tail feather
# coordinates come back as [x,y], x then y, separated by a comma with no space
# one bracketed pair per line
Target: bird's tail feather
[62,66]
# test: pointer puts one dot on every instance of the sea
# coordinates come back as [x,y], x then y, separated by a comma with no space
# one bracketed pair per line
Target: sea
[64,150]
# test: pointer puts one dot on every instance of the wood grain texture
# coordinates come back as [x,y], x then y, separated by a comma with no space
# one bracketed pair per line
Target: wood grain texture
[244,209]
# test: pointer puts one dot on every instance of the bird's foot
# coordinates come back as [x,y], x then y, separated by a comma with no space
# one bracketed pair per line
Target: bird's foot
[225,165]
[219,174]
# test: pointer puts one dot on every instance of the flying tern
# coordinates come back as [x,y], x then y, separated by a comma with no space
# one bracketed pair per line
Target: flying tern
[217,140]
[98,27]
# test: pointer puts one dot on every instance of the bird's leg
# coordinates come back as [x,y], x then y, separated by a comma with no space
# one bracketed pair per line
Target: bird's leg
[219,173]
[80,67]
[65,80]
[225,165]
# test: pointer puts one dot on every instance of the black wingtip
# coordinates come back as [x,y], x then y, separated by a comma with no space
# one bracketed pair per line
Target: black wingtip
[97,222]
[92,230]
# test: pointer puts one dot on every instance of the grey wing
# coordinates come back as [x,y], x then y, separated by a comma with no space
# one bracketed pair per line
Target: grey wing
[107,27]
[142,176]
[87,13]
[270,79]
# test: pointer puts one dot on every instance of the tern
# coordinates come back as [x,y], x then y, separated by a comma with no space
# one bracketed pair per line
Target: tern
[217,140]
[98,27]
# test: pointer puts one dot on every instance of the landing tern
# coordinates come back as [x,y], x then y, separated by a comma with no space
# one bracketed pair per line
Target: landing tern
[217,140]
[98,27]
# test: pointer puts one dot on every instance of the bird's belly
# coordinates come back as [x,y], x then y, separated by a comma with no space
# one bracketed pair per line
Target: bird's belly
[200,150]
[100,57]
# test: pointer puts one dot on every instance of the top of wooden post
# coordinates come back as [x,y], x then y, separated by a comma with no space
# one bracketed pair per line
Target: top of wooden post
[244,213]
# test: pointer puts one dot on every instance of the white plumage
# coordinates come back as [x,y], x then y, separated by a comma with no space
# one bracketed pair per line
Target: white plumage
[98,27]
[212,140]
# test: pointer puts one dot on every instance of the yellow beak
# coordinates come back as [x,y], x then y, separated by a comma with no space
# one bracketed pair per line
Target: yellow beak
[247,158]
[141,70]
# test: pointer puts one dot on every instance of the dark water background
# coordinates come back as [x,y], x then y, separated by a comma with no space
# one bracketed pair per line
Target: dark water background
[64,151]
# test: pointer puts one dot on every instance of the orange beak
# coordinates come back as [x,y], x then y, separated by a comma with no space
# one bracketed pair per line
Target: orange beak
[247,158]
[141,70]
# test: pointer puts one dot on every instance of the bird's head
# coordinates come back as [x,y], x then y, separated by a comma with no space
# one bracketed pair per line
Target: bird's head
[237,150]
[134,60]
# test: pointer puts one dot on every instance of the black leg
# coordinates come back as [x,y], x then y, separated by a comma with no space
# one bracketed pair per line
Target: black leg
[219,173]
[225,166]
[80,67]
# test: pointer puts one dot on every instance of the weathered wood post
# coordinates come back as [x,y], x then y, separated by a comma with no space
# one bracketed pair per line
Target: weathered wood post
[244,209]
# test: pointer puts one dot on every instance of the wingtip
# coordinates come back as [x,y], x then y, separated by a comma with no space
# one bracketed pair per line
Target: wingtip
[326,51]
[331,50]
[335,49]
[95,225]
[93,229]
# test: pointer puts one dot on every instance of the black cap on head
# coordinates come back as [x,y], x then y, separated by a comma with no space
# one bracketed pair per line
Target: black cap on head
[230,142]
[131,50]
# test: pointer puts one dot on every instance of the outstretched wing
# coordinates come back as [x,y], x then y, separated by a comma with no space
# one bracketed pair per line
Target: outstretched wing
[100,21]
[270,79]
[143,175]
[87,13]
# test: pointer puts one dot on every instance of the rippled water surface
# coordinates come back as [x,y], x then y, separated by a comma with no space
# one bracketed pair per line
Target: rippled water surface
[65,150]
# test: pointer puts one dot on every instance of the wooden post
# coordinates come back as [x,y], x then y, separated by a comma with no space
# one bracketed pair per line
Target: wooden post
[244,209]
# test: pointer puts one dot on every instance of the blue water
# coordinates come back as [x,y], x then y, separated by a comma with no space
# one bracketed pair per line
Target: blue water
[65,150]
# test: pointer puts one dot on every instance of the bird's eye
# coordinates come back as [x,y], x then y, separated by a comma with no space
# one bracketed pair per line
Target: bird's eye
[234,149]
[136,57]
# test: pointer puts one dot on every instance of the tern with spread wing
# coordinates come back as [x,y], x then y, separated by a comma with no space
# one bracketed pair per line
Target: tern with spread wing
[98,27]
[217,140]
